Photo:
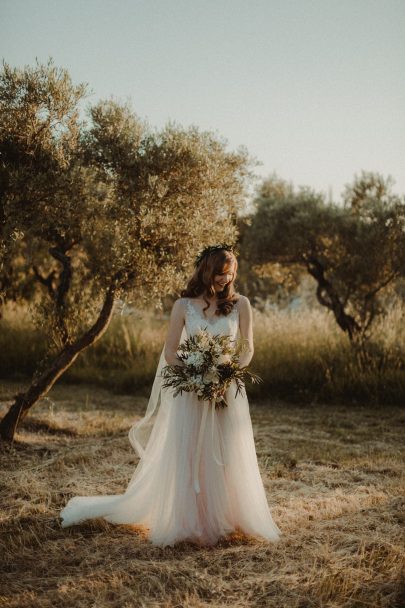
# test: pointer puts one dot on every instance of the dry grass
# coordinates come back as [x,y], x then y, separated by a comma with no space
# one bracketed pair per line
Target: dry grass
[335,484]
[301,355]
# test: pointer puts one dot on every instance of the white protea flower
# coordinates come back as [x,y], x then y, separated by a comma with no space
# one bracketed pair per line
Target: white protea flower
[195,359]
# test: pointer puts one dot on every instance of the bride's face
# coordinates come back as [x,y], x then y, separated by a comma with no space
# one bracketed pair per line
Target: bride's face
[225,277]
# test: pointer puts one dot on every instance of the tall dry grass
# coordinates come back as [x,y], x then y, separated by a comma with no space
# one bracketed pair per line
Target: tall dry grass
[301,355]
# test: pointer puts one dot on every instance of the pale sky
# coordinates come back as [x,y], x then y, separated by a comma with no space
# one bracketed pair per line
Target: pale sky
[315,89]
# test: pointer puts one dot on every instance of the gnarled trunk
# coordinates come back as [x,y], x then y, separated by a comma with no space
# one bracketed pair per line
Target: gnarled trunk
[328,297]
[41,385]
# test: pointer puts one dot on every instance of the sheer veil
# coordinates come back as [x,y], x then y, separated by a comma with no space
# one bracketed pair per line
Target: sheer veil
[140,431]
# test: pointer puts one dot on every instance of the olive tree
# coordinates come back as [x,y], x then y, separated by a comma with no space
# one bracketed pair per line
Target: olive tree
[354,251]
[100,209]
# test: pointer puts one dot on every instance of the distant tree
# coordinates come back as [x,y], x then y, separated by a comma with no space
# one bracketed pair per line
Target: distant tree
[353,252]
[100,211]
[265,284]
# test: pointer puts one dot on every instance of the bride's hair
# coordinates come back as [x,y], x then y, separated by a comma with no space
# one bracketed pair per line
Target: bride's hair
[202,281]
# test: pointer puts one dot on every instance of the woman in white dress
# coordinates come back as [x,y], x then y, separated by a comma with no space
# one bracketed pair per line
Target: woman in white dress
[198,477]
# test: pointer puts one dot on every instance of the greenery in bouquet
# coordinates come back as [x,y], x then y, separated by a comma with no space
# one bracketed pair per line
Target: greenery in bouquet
[210,364]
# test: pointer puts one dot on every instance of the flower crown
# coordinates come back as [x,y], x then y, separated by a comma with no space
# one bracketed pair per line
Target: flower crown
[208,250]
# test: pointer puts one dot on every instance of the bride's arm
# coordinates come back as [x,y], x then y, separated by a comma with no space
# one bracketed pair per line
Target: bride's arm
[176,324]
[246,330]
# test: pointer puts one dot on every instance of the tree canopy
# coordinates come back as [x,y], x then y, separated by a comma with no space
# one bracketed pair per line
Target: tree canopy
[92,210]
[353,251]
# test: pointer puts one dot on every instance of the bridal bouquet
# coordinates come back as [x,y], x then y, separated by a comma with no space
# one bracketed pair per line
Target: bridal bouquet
[210,365]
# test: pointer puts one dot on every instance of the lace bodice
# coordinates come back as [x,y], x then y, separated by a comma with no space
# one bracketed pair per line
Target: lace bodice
[223,325]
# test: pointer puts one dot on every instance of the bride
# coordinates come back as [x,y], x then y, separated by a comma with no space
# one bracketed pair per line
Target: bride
[198,477]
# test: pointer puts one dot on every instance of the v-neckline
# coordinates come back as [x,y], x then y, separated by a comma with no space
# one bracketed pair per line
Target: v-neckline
[201,314]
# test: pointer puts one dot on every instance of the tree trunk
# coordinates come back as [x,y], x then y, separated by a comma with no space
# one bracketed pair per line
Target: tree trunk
[332,301]
[41,385]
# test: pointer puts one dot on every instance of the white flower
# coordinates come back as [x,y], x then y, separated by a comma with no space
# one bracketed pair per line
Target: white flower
[223,359]
[195,359]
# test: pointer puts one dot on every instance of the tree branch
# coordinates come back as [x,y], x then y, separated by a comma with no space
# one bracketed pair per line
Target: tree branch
[47,281]
[65,276]
[373,292]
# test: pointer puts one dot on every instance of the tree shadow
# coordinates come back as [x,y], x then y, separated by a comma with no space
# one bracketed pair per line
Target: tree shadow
[35,425]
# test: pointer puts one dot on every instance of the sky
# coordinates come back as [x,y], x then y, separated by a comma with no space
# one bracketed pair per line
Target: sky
[314,89]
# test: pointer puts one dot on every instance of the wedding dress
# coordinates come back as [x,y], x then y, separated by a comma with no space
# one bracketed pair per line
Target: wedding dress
[198,477]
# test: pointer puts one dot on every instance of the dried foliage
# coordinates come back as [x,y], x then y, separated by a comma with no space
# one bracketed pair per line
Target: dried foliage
[210,364]
[334,480]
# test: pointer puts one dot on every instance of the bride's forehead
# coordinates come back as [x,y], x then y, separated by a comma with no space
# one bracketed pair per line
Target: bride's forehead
[227,267]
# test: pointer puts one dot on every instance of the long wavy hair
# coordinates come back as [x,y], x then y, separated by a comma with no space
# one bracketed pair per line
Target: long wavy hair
[202,281]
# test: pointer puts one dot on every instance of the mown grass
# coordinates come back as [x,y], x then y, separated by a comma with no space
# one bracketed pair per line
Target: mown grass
[301,355]
[334,479]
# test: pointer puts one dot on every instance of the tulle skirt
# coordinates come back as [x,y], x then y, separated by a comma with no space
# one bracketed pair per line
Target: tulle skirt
[198,478]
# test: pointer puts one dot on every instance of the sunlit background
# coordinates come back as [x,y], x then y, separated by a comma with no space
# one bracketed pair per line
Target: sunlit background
[313,88]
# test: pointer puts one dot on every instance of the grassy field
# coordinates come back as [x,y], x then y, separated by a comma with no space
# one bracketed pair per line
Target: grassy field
[301,355]
[334,478]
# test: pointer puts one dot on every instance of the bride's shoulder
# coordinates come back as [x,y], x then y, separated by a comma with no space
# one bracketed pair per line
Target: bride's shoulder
[180,301]
[243,304]
[179,304]
[242,300]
